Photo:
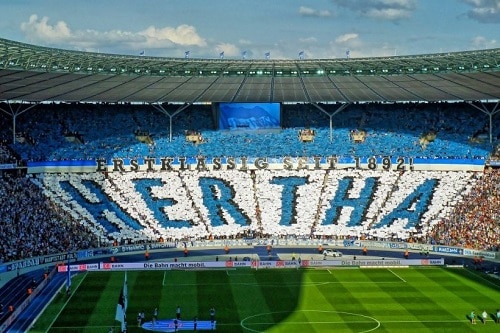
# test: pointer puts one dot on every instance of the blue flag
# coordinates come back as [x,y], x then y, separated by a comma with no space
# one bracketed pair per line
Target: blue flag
[186,54]
[221,55]
[268,55]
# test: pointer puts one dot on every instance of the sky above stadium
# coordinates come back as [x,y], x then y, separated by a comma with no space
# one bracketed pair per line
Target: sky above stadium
[255,29]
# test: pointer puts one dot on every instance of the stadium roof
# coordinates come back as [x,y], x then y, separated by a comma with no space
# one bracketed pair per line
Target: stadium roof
[30,73]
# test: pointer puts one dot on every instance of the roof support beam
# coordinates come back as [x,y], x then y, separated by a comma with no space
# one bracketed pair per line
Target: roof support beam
[14,113]
[484,109]
[170,116]
[331,114]
[160,108]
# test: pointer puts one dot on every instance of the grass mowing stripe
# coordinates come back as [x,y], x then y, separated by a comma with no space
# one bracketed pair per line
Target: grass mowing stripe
[145,293]
[463,287]
[286,300]
[420,299]
[480,296]
[184,296]
[368,292]
[494,283]
[221,298]
[279,303]
[343,300]
[98,298]
[403,298]
[446,289]
[67,301]
[249,292]
[252,295]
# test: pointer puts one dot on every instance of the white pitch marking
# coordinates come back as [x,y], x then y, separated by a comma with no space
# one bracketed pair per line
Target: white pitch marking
[399,277]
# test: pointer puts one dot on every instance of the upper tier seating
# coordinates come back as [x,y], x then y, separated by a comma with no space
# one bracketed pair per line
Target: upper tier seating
[107,131]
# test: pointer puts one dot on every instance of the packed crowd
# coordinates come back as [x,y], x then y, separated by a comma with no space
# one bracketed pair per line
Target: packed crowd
[31,225]
[475,221]
[6,154]
[107,131]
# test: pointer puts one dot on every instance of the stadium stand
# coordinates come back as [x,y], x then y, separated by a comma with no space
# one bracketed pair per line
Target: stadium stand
[65,203]
[57,211]
[31,225]
[108,131]
[474,221]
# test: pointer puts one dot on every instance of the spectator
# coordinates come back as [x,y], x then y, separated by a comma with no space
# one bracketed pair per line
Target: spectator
[43,229]
[474,221]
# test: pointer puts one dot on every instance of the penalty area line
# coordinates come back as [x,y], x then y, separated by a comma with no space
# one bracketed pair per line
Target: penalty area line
[399,277]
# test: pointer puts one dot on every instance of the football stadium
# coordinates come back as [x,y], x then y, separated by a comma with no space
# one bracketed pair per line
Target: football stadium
[154,194]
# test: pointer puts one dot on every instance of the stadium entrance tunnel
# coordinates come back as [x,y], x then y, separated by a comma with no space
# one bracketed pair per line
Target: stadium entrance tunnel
[333,321]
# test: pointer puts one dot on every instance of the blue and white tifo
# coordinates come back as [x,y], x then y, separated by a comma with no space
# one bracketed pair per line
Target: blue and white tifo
[386,171]
[177,205]
[168,325]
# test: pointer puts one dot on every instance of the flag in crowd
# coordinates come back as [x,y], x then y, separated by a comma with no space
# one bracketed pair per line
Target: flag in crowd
[244,54]
[221,55]
[268,55]
[301,55]
[347,54]
[186,54]
[121,307]
[142,53]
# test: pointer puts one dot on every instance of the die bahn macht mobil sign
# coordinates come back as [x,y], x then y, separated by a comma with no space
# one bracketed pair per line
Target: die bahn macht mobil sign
[252,264]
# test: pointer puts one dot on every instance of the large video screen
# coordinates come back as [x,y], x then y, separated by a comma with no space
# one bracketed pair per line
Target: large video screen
[250,116]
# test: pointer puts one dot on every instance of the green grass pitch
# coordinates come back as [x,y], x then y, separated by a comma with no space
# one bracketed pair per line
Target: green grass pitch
[283,300]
